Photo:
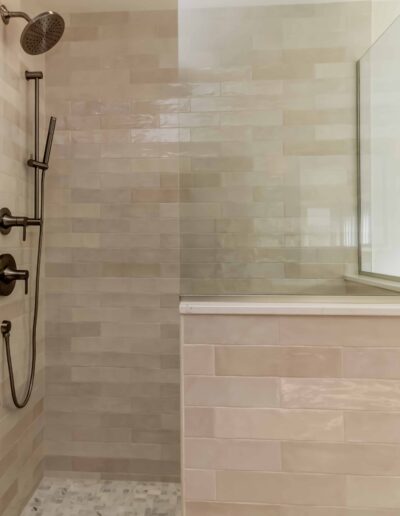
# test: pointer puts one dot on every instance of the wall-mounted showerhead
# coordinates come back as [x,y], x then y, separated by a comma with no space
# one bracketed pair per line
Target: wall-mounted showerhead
[41,33]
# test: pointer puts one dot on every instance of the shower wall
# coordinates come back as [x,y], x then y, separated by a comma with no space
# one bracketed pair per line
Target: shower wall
[21,432]
[269,145]
[384,12]
[112,399]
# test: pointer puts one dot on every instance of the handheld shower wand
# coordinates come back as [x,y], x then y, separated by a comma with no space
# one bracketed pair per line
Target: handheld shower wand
[49,140]
[44,164]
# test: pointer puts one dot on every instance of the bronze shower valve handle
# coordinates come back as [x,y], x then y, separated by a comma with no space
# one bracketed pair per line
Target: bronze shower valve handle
[9,275]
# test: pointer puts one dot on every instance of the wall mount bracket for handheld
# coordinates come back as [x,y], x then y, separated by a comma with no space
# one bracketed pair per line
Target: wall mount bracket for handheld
[7,220]
[37,77]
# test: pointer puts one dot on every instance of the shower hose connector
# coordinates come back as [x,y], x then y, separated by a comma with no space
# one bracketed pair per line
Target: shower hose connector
[6,328]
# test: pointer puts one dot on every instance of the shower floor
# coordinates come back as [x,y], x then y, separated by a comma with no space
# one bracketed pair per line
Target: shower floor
[66,497]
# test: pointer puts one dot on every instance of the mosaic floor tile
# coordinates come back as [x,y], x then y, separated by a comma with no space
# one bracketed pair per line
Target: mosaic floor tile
[67,497]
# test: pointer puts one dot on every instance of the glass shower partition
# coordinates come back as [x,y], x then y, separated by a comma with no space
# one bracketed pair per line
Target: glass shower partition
[379,157]
[268,133]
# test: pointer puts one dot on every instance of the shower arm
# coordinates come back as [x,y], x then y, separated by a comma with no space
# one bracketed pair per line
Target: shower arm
[7,15]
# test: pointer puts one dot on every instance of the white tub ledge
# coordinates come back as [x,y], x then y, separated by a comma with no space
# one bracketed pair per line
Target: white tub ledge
[292,305]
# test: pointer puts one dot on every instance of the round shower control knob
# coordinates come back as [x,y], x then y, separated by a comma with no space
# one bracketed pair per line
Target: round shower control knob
[9,274]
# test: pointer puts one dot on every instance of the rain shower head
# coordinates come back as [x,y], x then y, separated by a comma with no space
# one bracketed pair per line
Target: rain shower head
[41,33]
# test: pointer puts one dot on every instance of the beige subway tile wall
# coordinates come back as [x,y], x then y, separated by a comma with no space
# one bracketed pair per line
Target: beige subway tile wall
[112,263]
[268,198]
[288,426]
[21,431]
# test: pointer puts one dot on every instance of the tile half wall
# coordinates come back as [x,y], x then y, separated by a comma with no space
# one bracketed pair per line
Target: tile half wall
[291,415]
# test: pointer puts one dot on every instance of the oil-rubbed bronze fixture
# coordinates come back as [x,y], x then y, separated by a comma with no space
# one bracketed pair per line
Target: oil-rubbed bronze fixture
[41,33]
[9,274]
[7,220]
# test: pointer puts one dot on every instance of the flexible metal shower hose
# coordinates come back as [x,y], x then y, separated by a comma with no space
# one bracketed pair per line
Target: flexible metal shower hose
[21,404]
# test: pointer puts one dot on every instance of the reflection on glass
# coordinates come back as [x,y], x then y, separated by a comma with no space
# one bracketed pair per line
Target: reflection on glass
[379,113]
[268,145]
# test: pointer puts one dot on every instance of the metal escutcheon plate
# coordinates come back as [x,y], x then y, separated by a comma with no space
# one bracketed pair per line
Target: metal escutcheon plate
[3,230]
[6,287]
